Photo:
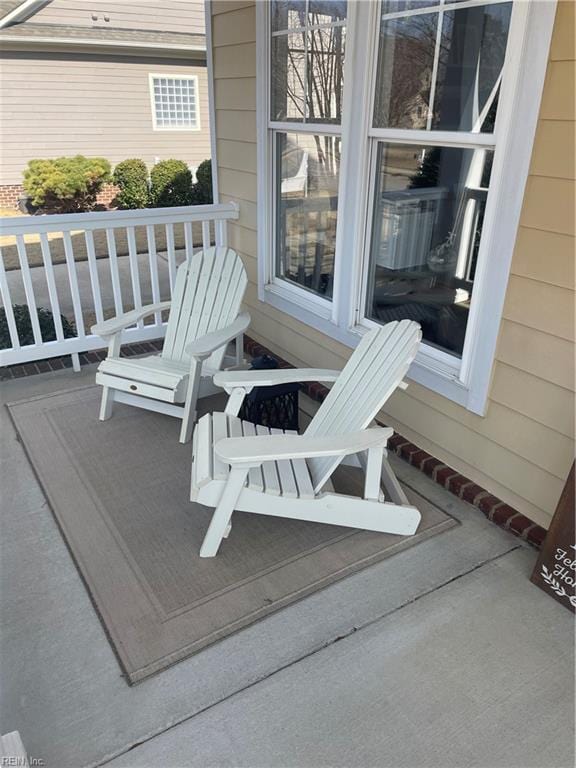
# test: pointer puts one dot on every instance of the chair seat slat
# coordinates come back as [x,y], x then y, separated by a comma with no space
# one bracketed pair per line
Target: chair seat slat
[255,478]
[285,473]
[269,468]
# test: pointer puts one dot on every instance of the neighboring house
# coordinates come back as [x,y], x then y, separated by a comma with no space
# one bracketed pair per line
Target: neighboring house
[501,410]
[112,79]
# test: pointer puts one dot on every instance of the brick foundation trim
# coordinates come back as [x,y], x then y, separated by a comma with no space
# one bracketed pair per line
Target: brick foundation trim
[11,193]
[107,194]
[491,506]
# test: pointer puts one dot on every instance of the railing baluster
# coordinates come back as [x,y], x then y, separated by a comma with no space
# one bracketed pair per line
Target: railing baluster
[51,283]
[318,251]
[7,301]
[206,234]
[188,240]
[73,280]
[201,224]
[114,274]
[171,256]
[28,288]
[134,274]
[153,259]
[94,279]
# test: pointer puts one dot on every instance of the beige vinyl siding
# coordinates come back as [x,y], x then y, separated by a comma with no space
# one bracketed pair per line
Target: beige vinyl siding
[523,448]
[65,104]
[167,15]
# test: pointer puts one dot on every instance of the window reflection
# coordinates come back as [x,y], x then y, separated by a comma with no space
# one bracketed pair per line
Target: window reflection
[405,65]
[325,75]
[428,214]
[308,75]
[327,11]
[288,14]
[471,58]
[289,77]
[308,168]
[442,71]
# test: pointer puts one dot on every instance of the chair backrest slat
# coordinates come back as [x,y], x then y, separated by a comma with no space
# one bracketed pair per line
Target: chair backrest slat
[207,295]
[368,379]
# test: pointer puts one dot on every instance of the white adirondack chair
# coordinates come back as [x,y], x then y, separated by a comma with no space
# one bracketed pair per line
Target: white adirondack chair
[204,318]
[237,466]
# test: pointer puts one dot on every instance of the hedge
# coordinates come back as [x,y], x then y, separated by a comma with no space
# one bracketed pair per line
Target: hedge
[24,326]
[66,184]
[171,184]
[131,178]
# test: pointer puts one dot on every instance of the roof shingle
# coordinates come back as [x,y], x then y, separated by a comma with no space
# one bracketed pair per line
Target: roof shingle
[114,36]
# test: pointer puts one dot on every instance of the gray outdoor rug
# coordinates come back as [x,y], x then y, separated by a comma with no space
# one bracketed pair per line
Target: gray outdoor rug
[119,491]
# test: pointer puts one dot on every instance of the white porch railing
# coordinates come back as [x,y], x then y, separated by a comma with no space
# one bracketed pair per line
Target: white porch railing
[91,265]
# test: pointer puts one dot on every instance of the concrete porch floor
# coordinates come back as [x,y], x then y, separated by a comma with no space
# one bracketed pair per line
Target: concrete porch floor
[444,656]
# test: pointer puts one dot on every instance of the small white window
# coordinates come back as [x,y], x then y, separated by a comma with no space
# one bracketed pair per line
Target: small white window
[174,102]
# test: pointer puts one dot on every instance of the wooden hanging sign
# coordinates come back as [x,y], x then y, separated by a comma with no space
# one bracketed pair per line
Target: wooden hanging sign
[555,570]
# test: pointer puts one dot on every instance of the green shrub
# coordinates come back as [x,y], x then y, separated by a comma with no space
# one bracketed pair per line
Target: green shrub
[203,186]
[66,184]
[131,177]
[171,184]
[24,326]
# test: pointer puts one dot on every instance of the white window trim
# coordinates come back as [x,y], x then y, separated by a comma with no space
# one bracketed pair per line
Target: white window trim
[466,382]
[155,76]
[211,101]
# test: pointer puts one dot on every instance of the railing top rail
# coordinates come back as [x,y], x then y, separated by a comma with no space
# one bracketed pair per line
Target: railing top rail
[22,225]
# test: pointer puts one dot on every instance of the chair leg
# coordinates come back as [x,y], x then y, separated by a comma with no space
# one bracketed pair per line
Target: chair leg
[223,512]
[107,403]
[188,420]
[391,484]
[189,416]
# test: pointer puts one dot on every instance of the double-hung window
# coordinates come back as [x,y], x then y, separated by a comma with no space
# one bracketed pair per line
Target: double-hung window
[307,60]
[394,144]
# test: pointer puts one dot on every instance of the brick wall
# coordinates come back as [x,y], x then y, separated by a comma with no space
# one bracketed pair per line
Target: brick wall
[107,195]
[11,193]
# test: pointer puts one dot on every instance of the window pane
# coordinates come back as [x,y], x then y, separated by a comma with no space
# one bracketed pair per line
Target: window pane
[470,64]
[461,74]
[397,6]
[428,212]
[307,65]
[307,203]
[326,75]
[289,77]
[404,77]
[326,11]
[288,14]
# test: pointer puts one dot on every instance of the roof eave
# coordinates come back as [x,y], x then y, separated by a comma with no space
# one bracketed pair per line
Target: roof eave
[117,44]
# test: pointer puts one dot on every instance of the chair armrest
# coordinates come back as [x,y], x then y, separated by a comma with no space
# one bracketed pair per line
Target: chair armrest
[116,324]
[252,451]
[205,345]
[247,380]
